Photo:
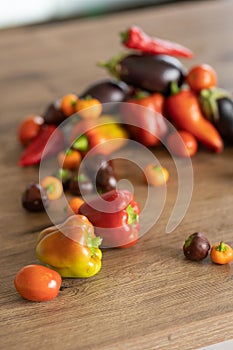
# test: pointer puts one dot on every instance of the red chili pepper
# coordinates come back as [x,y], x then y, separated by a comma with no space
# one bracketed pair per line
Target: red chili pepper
[33,153]
[184,111]
[135,38]
[115,216]
[145,126]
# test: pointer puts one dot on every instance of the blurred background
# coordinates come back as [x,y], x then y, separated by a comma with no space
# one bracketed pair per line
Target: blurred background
[26,12]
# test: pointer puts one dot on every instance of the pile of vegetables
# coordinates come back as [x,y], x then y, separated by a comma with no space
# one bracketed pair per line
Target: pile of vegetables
[148,77]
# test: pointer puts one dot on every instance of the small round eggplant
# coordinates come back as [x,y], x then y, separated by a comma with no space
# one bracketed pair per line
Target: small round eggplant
[106,180]
[147,72]
[196,247]
[34,198]
[108,90]
[80,185]
[53,114]
[96,162]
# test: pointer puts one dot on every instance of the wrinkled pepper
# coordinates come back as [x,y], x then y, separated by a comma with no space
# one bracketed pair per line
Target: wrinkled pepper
[184,110]
[145,123]
[104,134]
[32,155]
[135,38]
[115,216]
[71,248]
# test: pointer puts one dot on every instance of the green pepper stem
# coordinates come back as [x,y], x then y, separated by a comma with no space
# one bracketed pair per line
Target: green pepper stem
[81,143]
[112,65]
[174,88]
[124,36]
[132,216]
[221,247]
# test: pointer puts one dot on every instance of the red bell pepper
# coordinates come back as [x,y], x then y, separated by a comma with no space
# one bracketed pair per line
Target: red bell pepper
[135,38]
[115,216]
[184,110]
[143,116]
[33,153]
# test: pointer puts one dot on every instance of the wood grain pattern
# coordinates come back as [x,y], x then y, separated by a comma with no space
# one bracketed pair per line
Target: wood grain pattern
[149,296]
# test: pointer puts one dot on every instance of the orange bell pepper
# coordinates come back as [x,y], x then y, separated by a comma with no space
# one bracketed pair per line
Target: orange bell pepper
[72,249]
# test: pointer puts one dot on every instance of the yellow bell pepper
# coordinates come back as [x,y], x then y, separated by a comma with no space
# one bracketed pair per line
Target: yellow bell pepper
[71,248]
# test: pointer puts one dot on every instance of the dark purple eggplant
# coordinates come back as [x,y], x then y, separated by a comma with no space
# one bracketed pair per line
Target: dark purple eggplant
[108,90]
[225,121]
[147,72]
[217,106]
[53,114]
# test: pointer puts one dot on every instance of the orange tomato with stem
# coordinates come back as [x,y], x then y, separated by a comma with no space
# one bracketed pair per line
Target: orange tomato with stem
[37,283]
[89,108]
[74,205]
[156,175]
[221,253]
[68,104]
[53,187]
[70,159]
[201,76]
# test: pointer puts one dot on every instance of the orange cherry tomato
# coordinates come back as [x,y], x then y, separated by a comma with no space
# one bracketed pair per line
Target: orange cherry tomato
[70,159]
[156,175]
[53,187]
[68,104]
[37,283]
[29,129]
[221,253]
[182,144]
[200,77]
[74,205]
[89,108]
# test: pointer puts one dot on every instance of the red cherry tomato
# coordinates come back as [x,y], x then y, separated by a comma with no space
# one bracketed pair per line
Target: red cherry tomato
[29,129]
[182,144]
[201,77]
[37,283]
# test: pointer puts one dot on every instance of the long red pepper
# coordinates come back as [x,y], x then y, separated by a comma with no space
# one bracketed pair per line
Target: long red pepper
[135,38]
[184,111]
[33,153]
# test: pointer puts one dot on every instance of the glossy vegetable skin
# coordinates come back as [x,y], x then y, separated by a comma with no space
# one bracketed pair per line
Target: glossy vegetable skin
[196,247]
[32,155]
[147,72]
[105,133]
[217,106]
[135,38]
[182,144]
[37,283]
[71,248]
[107,90]
[144,120]
[115,216]
[156,175]
[221,253]
[184,111]
[29,129]
[200,77]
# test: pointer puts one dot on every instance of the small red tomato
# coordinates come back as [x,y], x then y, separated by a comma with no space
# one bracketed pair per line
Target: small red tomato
[201,77]
[29,129]
[37,283]
[182,144]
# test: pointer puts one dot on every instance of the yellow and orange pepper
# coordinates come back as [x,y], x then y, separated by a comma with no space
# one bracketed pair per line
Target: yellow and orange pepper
[72,249]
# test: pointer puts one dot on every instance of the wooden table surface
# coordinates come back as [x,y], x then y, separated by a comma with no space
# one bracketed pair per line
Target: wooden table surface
[148,296]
